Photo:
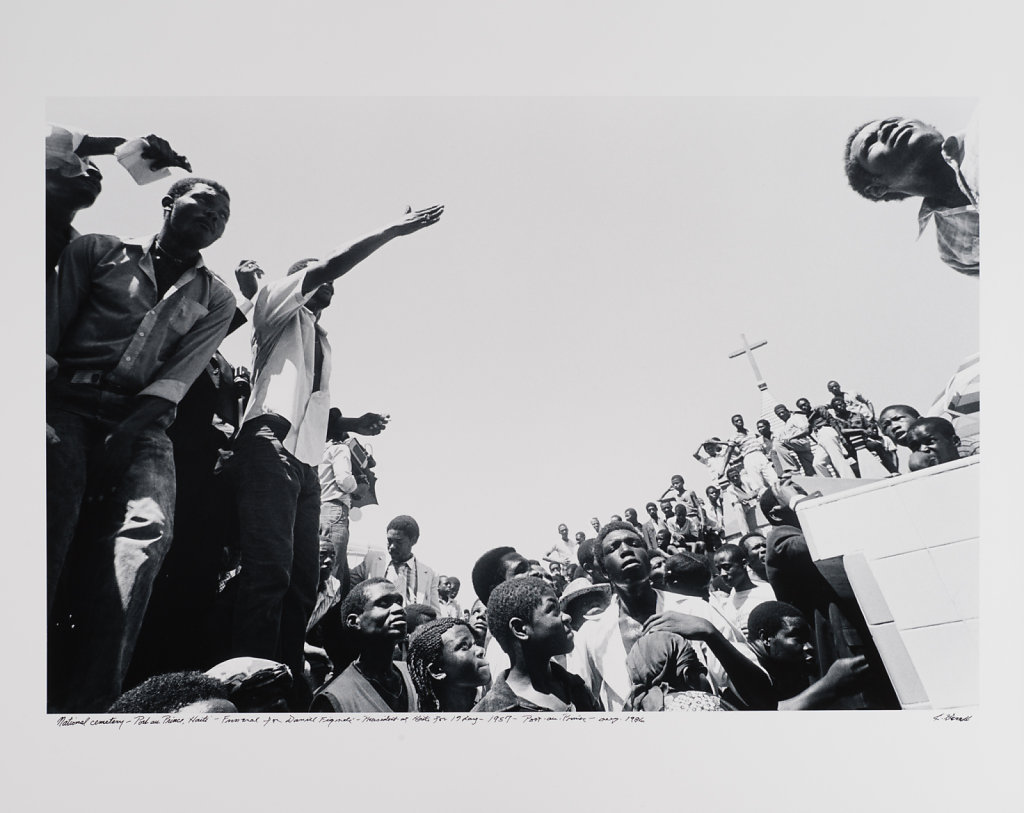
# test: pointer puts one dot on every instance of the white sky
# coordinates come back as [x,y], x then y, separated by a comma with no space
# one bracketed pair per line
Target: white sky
[557,346]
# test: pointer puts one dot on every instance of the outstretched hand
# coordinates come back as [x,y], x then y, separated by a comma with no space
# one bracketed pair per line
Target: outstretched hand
[160,154]
[845,672]
[247,275]
[414,221]
[370,423]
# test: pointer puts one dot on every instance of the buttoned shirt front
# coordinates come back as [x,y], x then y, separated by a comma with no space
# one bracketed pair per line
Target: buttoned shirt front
[284,340]
[107,324]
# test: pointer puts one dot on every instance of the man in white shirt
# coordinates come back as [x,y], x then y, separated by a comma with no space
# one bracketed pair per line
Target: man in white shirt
[279,447]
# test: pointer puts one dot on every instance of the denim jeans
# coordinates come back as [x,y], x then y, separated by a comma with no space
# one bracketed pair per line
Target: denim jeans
[104,553]
[278,501]
[334,529]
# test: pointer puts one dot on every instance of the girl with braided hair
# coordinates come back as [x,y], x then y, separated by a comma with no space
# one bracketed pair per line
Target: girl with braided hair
[447,665]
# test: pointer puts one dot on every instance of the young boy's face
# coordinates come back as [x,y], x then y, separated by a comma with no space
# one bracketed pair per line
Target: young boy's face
[478,618]
[731,567]
[663,538]
[895,423]
[933,445]
[792,644]
[550,629]
[462,660]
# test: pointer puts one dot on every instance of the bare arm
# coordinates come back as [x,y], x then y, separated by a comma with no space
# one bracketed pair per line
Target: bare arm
[344,260]
[749,679]
[841,678]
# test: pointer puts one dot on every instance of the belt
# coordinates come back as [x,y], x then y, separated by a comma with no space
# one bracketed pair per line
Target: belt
[94,378]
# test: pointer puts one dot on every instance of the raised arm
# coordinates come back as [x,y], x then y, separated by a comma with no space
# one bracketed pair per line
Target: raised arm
[158,152]
[345,259]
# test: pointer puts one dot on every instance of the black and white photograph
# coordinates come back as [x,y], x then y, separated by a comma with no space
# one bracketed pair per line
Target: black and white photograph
[465,422]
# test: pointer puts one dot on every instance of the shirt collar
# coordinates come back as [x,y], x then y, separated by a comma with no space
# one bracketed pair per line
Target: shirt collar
[952,154]
[146,245]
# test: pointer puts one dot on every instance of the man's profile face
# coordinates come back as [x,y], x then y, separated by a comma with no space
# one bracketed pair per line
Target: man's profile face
[737,421]
[400,545]
[782,413]
[322,297]
[897,152]
[895,423]
[580,536]
[198,218]
[713,493]
[792,644]
[757,547]
[444,587]
[515,565]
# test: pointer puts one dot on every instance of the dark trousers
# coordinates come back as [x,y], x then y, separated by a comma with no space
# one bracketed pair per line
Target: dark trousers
[278,501]
[119,541]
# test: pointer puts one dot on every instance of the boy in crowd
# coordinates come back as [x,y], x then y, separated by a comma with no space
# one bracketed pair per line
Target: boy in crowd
[784,644]
[894,421]
[525,618]
[731,565]
[446,591]
[494,567]
[373,612]
[932,441]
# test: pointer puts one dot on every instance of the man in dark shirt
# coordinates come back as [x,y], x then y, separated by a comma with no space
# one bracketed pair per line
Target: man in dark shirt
[131,325]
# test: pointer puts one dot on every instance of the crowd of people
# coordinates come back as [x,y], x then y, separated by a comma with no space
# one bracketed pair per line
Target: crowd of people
[198,513]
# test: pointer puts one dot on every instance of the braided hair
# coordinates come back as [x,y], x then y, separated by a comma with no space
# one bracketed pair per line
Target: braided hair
[425,649]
